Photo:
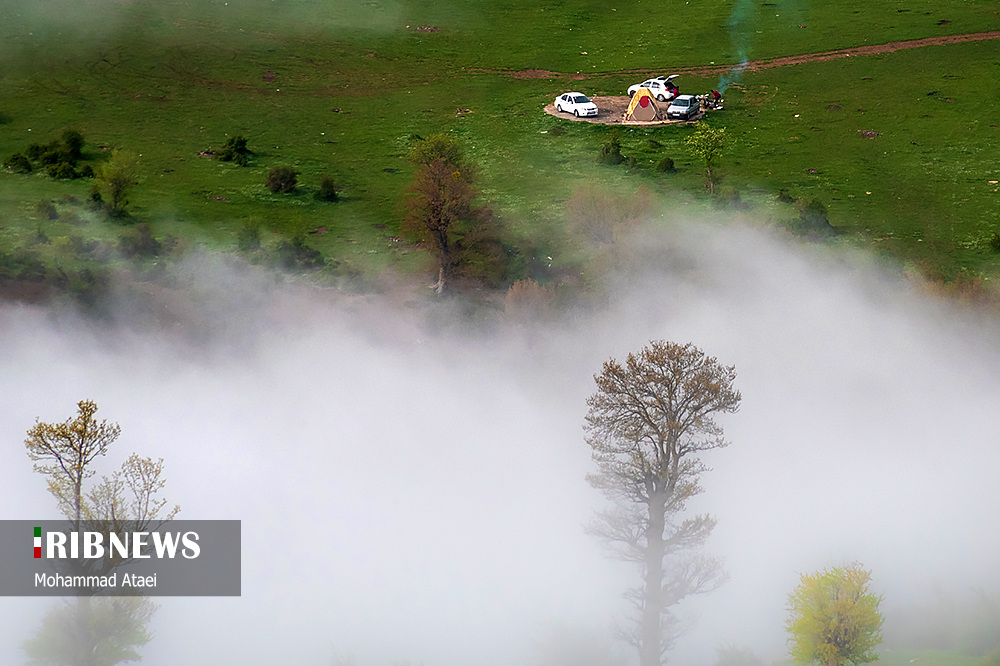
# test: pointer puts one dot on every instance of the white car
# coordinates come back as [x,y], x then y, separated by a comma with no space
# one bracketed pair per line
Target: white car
[576,103]
[662,87]
[684,107]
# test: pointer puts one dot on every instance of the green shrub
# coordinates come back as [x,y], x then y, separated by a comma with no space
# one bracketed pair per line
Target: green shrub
[72,142]
[436,146]
[611,150]
[47,209]
[729,197]
[282,179]
[89,287]
[295,255]
[61,170]
[235,151]
[140,242]
[813,216]
[327,190]
[18,163]
[36,150]
[22,264]
[87,171]
[248,236]
[666,165]
[995,242]
[784,196]
[82,247]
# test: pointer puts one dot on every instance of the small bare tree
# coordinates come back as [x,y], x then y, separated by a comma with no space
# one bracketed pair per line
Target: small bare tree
[647,422]
[440,209]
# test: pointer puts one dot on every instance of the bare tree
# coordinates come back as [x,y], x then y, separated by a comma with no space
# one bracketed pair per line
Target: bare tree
[647,421]
[440,209]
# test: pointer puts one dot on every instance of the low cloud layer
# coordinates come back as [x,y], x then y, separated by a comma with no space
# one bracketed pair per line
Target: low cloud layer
[412,487]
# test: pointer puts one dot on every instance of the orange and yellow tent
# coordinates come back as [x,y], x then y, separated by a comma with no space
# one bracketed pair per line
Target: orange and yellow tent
[642,107]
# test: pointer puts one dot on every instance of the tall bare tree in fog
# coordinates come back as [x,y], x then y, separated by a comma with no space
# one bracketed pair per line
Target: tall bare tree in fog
[647,422]
[102,631]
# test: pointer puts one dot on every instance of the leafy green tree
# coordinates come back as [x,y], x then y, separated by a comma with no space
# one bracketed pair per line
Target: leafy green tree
[835,619]
[708,144]
[648,420]
[115,180]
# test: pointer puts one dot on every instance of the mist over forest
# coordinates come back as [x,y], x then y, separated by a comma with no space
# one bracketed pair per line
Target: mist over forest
[410,476]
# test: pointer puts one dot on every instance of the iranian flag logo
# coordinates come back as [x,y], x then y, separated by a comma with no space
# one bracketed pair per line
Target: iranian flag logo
[38,543]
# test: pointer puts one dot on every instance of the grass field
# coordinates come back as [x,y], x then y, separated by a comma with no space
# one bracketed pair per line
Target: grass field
[341,88]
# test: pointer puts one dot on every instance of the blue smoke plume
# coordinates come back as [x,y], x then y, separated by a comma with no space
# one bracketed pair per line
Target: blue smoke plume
[741,27]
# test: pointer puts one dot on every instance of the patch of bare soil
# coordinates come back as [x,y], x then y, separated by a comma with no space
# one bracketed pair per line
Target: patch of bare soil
[610,111]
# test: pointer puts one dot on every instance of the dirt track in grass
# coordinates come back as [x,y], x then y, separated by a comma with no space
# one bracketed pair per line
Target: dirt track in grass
[784,61]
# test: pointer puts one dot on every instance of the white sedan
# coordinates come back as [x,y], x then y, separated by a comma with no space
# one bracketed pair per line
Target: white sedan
[662,87]
[576,103]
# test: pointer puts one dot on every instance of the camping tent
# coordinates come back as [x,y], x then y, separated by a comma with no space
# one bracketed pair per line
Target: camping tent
[642,107]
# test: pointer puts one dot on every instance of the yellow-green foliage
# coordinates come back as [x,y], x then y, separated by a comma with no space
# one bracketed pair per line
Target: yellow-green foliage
[834,619]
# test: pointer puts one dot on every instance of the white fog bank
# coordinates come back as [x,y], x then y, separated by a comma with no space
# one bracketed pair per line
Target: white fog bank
[412,491]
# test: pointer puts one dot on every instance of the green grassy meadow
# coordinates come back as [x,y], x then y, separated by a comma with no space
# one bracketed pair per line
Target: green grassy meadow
[341,88]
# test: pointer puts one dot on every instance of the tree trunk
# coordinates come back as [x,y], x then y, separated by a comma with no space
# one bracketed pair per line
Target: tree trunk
[438,286]
[651,636]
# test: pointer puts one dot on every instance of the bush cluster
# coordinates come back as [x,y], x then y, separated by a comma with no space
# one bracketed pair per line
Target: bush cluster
[140,243]
[296,255]
[60,157]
